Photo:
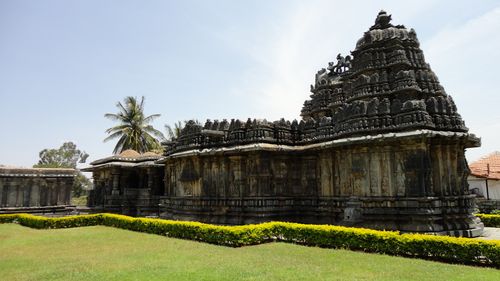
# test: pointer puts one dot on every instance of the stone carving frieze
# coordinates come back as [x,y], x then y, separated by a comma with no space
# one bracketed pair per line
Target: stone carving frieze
[384,85]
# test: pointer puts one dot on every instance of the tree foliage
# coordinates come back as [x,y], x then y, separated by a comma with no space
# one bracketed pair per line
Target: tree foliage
[134,130]
[66,156]
[175,131]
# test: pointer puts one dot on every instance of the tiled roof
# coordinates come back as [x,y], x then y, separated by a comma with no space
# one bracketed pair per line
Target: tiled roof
[128,155]
[150,153]
[480,167]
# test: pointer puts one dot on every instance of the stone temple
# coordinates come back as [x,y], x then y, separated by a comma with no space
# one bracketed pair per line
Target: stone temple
[45,191]
[380,145]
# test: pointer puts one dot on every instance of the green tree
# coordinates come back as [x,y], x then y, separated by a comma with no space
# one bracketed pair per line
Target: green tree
[66,156]
[134,130]
[175,131]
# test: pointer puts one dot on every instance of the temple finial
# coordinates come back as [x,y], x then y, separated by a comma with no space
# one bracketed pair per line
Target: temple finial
[382,21]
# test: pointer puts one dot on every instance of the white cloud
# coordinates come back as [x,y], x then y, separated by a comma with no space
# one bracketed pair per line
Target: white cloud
[466,58]
[290,52]
[469,35]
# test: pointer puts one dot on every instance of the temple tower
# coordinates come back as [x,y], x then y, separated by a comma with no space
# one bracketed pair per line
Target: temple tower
[407,168]
[380,145]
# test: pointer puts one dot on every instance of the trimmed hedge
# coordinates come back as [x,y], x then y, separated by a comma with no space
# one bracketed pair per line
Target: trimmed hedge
[489,220]
[443,248]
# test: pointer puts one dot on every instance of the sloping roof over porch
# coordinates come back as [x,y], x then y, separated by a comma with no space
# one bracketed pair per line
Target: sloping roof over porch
[487,167]
[128,158]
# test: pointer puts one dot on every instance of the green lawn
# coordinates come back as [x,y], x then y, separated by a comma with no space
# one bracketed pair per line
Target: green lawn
[103,253]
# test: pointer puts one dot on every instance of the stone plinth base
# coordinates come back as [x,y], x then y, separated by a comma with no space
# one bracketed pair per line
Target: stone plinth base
[43,211]
[440,216]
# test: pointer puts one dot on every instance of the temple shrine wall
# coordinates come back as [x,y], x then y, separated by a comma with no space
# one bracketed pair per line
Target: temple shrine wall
[24,188]
[127,190]
[390,184]
[380,145]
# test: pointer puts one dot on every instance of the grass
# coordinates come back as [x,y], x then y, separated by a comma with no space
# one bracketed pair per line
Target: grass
[79,201]
[103,253]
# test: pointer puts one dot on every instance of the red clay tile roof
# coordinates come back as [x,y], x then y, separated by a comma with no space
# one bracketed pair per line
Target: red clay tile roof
[479,168]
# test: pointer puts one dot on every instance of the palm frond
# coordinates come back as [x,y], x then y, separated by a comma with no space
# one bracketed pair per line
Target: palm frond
[151,118]
[134,130]
[119,145]
[113,136]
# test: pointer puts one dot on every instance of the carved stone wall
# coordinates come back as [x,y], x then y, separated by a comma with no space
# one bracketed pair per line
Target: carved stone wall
[23,189]
[393,183]
[127,190]
[380,145]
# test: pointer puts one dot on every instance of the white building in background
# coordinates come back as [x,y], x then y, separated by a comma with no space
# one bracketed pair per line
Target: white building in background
[484,179]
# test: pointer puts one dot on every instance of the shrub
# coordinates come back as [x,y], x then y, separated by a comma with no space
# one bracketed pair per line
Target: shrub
[444,248]
[63,222]
[490,220]
[8,218]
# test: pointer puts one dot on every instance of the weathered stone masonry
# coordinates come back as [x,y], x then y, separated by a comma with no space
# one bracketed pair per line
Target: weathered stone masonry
[35,190]
[411,182]
[129,183]
[380,145]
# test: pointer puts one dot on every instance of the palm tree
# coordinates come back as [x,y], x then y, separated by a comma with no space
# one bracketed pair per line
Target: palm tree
[134,131]
[174,132]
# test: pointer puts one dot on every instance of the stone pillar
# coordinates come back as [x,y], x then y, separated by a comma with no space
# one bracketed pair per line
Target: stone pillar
[385,171]
[20,193]
[53,191]
[437,182]
[172,173]
[43,192]
[309,174]
[68,183]
[166,180]
[12,194]
[2,183]
[151,177]
[221,175]
[27,192]
[237,185]
[115,174]
[35,193]
[60,189]
[328,173]
[210,173]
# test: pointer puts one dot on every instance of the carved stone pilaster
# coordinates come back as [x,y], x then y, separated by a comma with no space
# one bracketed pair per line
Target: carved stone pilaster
[115,173]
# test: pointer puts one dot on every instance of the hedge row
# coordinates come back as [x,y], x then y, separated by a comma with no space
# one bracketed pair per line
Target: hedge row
[443,248]
[489,220]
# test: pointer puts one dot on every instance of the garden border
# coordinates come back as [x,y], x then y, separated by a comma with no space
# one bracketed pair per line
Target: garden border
[442,248]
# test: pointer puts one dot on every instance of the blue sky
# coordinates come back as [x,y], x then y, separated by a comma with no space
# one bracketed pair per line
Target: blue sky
[64,64]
